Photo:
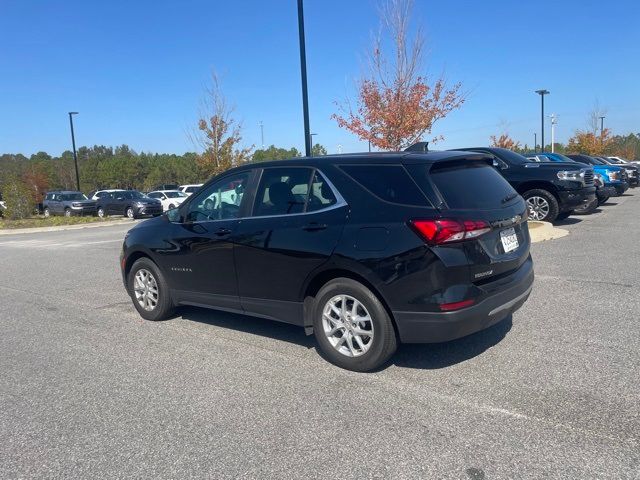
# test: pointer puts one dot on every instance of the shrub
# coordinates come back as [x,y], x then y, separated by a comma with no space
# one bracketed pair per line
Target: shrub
[17,197]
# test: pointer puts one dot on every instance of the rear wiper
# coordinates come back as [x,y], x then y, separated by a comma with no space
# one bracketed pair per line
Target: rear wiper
[509,197]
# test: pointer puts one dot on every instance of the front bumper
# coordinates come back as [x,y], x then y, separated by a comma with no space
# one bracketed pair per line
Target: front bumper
[434,327]
[85,210]
[148,210]
[570,199]
[606,192]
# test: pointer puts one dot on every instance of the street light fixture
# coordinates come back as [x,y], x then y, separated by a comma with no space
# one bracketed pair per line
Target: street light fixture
[75,156]
[542,93]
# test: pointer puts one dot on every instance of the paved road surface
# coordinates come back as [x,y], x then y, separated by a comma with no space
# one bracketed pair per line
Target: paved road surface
[88,389]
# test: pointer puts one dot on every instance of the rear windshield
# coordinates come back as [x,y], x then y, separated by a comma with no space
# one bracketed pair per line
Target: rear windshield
[471,186]
[391,183]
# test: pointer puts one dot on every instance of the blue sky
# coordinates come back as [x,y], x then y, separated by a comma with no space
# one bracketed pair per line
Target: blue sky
[136,70]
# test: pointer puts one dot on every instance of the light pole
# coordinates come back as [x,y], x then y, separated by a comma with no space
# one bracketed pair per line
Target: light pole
[542,93]
[535,142]
[601,127]
[303,73]
[311,140]
[73,143]
[262,133]
[554,121]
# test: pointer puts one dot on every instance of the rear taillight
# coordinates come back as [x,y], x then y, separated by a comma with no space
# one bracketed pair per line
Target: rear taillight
[444,230]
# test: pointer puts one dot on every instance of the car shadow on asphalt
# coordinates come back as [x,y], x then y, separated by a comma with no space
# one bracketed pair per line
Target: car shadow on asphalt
[428,356]
[432,356]
[567,221]
[248,324]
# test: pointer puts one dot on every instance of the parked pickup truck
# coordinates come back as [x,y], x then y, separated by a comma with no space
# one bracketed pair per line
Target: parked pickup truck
[616,176]
[552,190]
[603,192]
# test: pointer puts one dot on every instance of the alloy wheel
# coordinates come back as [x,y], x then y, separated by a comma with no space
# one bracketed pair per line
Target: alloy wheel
[538,208]
[67,213]
[347,325]
[130,212]
[101,213]
[47,213]
[145,288]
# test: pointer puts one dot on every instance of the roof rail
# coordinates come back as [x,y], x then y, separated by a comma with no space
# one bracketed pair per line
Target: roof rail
[418,147]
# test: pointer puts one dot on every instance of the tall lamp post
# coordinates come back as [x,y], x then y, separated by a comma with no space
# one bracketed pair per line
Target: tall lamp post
[73,142]
[542,93]
[303,73]
[602,128]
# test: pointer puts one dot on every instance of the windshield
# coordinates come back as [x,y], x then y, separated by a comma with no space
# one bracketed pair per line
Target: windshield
[512,157]
[175,194]
[597,161]
[73,196]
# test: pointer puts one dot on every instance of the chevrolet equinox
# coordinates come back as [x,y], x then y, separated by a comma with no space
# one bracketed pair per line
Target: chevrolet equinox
[364,251]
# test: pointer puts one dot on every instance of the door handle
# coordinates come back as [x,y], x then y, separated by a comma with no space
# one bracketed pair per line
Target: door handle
[222,231]
[311,227]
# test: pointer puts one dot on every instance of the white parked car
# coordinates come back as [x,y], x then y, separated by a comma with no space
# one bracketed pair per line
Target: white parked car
[169,198]
[189,189]
[97,194]
[620,159]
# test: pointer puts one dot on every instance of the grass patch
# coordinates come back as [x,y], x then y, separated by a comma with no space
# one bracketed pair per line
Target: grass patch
[40,221]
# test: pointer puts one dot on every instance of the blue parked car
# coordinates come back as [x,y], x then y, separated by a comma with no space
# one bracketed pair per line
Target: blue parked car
[616,176]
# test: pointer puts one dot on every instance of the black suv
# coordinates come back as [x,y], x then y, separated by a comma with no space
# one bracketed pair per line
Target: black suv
[129,203]
[552,190]
[363,250]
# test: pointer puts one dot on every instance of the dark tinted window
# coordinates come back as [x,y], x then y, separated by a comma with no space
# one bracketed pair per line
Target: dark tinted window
[282,191]
[391,183]
[321,194]
[471,185]
[67,197]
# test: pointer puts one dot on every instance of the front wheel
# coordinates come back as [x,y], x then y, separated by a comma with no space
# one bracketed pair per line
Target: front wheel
[352,327]
[67,212]
[542,205]
[47,213]
[129,213]
[602,201]
[149,291]
[101,212]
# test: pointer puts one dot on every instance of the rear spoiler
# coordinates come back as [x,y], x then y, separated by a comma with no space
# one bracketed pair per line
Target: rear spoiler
[419,147]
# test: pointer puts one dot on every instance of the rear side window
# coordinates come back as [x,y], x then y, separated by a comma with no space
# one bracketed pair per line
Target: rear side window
[391,183]
[464,185]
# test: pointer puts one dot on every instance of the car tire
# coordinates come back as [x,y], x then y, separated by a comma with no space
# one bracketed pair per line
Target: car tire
[362,354]
[541,204]
[47,213]
[171,207]
[67,212]
[565,215]
[129,213]
[588,208]
[602,201]
[152,299]
[101,213]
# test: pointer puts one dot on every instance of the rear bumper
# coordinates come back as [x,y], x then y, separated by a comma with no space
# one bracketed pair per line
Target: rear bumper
[570,199]
[433,327]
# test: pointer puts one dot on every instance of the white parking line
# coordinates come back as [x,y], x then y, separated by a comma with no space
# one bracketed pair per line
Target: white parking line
[44,244]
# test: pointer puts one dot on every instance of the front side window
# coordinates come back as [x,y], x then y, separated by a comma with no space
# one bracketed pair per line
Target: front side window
[219,201]
[68,197]
[282,191]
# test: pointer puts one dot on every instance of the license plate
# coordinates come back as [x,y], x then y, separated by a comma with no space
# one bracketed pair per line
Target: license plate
[509,240]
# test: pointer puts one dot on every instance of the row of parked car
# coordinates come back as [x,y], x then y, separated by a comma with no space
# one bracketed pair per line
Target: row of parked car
[129,203]
[556,186]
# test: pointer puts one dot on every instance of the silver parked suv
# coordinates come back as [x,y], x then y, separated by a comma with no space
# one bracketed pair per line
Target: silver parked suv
[68,203]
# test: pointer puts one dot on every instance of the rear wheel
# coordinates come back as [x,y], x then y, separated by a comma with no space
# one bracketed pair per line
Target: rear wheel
[101,212]
[352,327]
[129,212]
[47,212]
[542,205]
[67,212]
[149,291]
[602,201]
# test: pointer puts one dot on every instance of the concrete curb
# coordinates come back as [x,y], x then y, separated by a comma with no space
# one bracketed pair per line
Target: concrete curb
[59,228]
[541,231]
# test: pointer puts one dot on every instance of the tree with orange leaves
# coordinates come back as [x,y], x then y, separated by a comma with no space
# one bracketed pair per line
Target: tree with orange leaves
[504,141]
[397,106]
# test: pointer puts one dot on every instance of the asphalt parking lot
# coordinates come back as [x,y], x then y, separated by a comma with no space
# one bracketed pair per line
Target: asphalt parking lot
[88,389]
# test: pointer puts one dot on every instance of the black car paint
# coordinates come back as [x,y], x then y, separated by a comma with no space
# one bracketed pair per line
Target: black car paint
[524,177]
[273,266]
